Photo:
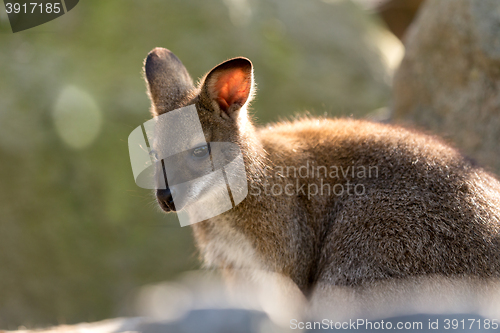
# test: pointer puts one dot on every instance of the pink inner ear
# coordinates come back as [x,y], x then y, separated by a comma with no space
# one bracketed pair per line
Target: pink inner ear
[232,87]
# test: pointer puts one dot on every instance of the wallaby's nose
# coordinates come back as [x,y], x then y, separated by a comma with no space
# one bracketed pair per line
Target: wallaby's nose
[165,199]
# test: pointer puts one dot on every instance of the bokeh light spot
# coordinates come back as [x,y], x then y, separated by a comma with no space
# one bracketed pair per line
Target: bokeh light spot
[77,117]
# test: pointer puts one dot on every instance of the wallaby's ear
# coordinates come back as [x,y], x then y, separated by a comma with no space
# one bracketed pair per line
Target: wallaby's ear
[167,79]
[229,86]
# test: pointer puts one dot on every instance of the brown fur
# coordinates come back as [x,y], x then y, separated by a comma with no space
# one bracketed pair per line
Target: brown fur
[428,212]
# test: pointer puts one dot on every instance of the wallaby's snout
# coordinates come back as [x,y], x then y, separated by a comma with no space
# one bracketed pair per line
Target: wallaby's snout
[165,199]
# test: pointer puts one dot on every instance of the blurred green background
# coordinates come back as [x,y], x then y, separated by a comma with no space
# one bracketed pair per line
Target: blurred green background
[77,236]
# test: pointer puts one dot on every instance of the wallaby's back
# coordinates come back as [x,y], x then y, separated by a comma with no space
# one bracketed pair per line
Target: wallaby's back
[425,209]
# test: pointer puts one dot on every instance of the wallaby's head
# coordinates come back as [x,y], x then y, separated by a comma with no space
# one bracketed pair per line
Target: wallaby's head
[221,101]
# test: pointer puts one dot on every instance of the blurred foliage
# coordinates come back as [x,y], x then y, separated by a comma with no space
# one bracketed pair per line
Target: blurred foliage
[77,236]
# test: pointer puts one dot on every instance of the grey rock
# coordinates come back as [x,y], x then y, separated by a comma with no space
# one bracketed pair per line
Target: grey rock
[448,82]
[210,321]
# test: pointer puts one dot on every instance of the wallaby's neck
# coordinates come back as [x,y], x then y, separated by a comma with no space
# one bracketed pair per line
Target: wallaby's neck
[254,155]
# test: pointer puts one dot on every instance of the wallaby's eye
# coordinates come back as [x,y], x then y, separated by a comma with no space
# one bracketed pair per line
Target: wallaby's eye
[200,152]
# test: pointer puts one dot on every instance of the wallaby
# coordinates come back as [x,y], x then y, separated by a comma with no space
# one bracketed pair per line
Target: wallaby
[334,202]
